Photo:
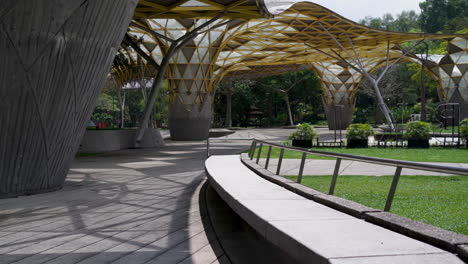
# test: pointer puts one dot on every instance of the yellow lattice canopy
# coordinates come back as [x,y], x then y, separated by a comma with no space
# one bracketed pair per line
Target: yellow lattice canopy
[247,42]
[196,9]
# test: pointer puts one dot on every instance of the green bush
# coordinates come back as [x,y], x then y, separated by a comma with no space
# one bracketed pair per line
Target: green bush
[402,114]
[359,131]
[418,130]
[305,131]
[363,115]
[464,129]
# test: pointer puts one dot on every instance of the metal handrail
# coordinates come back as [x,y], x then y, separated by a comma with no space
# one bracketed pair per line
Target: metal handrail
[399,164]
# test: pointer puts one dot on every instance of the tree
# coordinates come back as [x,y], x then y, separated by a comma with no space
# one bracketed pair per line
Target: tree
[406,21]
[304,99]
[286,91]
[387,21]
[433,15]
[447,16]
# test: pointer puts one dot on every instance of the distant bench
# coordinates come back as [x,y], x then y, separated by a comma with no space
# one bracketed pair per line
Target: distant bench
[307,230]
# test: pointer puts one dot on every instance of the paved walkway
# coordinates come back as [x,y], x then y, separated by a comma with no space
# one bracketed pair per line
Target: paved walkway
[124,207]
[132,206]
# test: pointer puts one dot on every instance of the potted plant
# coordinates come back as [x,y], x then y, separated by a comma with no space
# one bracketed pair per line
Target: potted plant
[464,131]
[357,135]
[303,136]
[418,134]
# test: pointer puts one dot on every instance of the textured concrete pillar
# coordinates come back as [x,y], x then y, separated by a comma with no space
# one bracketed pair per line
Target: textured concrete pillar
[338,117]
[190,122]
[339,85]
[55,55]
[191,104]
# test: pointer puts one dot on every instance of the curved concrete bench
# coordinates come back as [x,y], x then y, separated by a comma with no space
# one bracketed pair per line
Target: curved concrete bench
[308,231]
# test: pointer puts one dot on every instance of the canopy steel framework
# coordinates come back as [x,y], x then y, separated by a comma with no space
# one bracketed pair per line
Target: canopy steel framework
[244,44]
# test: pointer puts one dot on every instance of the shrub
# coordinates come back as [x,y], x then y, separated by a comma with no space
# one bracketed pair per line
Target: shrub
[402,114]
[464,129]
[363,115]
[417,130]
[359,131]
[304,131]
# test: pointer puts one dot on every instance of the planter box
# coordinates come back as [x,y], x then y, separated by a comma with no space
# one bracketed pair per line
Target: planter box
[302,143]
[358,143]
[112,140]
[418,143]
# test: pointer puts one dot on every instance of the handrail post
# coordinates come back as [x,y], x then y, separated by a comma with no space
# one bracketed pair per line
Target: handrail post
[280,161]
[301,168]
[208,147]
[268,157]
[253,149]
[259,152]
[335,176]
[392,191]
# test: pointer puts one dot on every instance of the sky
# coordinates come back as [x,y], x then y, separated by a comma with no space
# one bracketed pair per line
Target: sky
[359,9]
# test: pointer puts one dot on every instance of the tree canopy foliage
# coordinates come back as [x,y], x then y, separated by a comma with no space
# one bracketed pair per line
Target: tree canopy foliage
[447,16]
[437,16]
[266,95]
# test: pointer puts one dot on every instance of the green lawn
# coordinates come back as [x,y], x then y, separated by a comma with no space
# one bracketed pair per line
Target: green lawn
[434,154]
[439,201]
[444,130]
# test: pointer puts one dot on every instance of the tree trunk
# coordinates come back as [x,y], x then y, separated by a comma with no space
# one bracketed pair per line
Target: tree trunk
[291,121]
[122,107]
[423,95]
[228,122]
[383,107]
[143,93]
[154,94]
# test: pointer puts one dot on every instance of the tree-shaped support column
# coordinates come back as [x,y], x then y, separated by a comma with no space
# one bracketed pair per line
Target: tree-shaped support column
[339,85]
[191,103]
[55,57]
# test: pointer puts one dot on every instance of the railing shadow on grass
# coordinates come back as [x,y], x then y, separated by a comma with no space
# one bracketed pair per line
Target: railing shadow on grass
[399,164]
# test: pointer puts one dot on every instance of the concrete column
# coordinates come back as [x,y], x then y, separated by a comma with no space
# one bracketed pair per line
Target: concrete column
[338,116]
[339,85]
[55,57]
[191,104]
[190,122]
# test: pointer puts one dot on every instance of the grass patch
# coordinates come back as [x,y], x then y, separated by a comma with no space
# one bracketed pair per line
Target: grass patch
[433,154]
[435,200]
[438,129]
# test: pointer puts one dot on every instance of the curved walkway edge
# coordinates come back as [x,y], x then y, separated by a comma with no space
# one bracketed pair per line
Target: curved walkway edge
[441,238]
[307,230]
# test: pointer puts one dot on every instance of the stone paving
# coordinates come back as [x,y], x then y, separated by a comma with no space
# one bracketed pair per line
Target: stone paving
[131,206]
